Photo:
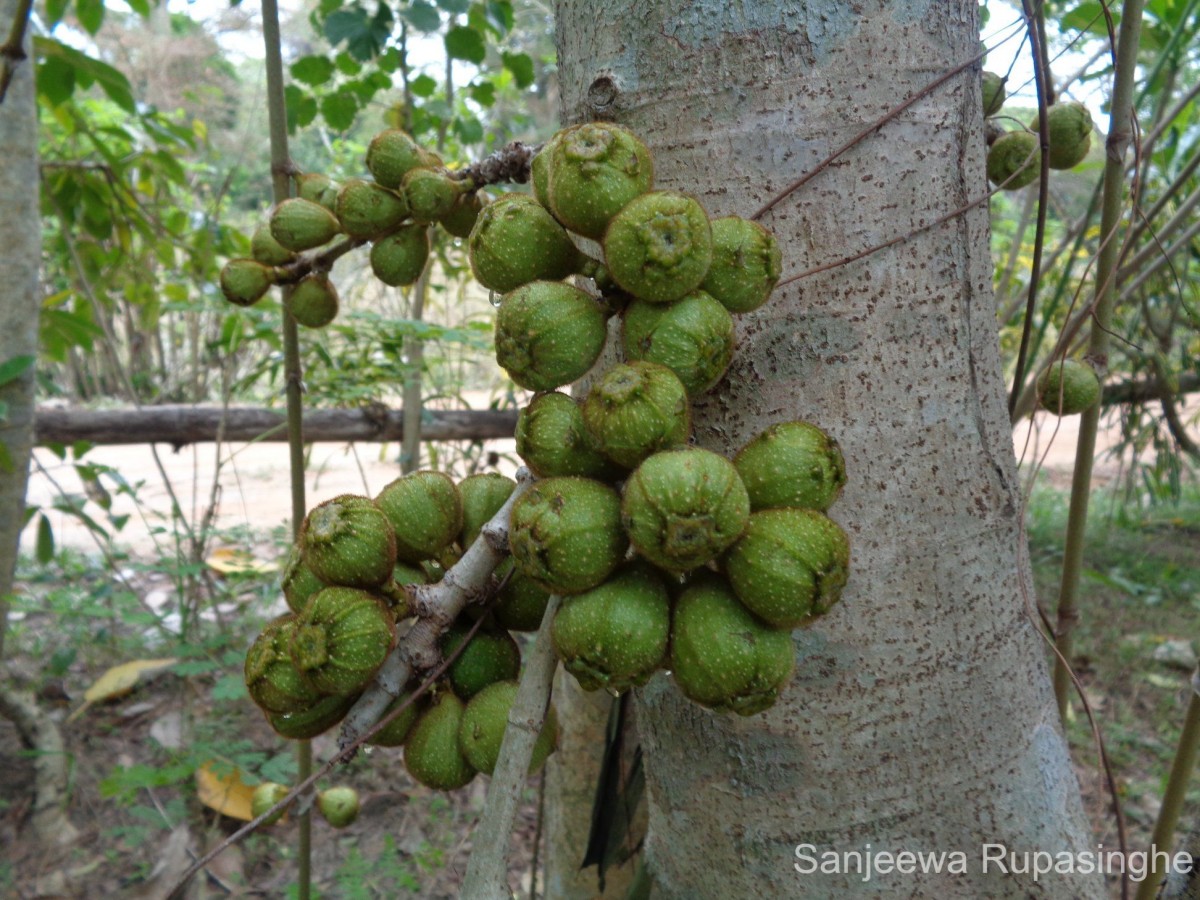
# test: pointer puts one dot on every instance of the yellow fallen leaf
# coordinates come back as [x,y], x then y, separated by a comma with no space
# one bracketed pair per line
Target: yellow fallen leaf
[230,561]
[120,680]
[227,794]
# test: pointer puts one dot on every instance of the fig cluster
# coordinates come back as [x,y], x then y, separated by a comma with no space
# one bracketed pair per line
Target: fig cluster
[409,190]
[1014,158]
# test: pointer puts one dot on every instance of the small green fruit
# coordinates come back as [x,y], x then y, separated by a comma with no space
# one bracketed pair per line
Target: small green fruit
[463,215]
[313,302]
[272,679]
[659,246]
[490,656]
[245,281]
[521,603]
[430,195]
[317,719]
[1014,156]
[338,806]
[425,510]
[316,188]
[268,251]
[746,264]
[264,797]
[391,155]
[431,753]
[399,259]
[539,168]
[515,241]
[482,496]
[636,409]
[349,541]
[299,224]
[683,508]
[553,440]
[394,733]
[1069,125]
[692,337]
[594,170]
[614,636]
[299,582]
[790,564]
[722,657]
[485,720]
[367,211]
[792,464]
[341,639]
[1068,387]
[565,534]
[548,333]
[994,93]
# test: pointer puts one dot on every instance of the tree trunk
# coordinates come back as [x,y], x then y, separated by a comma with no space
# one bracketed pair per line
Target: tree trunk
[920,717]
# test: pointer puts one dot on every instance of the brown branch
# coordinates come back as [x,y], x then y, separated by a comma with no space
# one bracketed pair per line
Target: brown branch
[508,164]
[181,425]
[1148,390]
[12,51]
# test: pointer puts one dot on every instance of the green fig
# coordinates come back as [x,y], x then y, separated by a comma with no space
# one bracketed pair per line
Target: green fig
[1068,387]
[683,508]
[792,464]
[994,93]
[341,639]
[521,603]
[272,679]
[299,582]
[298,224]
[349,541]
[430,195]
[1014,160]
[367,211]
[790,565]
[636,409]
[317,719]
[425,510]
[264,797]
[463,215]
[391,155]
[565,534]
[548,334]
[553,440]
[723,657]
[268,251]
[692,337]
[485,720]
[316,188]
[515,241]
[594,170]
[746,264]
[313,302]
[338,806]
[659,246]
[614,636]
[490,656]
[399,259]
[482,496]
[245,281]
[431,753]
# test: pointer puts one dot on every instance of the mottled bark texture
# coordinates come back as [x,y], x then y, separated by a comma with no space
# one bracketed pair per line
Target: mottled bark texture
[920,716]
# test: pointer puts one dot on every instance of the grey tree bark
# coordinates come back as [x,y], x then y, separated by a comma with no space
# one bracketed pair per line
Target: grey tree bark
[20,238]
[920,717]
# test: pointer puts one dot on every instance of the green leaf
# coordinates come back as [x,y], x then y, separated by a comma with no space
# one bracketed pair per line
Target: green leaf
[347,64]
[465,43]
[500,16]
[301,108]
[365,36]
[389,60]
[55,10]
[90,14]
[469,130]
[6,463]
[89,70]
[422,86]
[339,110]
[422,16]
[312,70]
[229,687]
[14,368]
[142,7]
[458,7]
[521,66]
[56,80]
[483,93]
[45,541]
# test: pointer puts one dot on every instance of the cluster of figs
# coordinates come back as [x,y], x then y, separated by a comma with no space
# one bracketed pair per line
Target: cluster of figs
[1014,160]
[667,556]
